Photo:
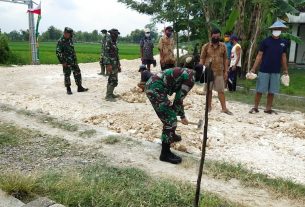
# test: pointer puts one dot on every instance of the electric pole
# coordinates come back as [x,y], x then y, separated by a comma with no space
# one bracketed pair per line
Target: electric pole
[32,38]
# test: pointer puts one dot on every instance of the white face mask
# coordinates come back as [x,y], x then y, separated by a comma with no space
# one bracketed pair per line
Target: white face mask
[276,33]
[147,34]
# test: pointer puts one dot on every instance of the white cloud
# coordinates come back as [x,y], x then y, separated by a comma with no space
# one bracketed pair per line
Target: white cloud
[79,15]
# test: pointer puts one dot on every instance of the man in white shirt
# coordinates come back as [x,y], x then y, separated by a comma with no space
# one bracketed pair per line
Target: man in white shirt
[235,64]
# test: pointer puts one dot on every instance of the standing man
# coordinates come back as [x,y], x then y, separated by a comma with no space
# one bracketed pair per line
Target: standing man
[66,55]
[271,57]
[146,47]
[235,63]
[166,48]
[215,53]
[103,42]
[228,44]
[112,62]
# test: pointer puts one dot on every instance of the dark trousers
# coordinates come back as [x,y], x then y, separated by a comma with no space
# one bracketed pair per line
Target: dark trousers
[76,73]
[167,66]
[232,78]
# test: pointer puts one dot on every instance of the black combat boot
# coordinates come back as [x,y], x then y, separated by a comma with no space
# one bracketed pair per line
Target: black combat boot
[109,94]
[69,91]
[177,138]
[167,156]
[81,89]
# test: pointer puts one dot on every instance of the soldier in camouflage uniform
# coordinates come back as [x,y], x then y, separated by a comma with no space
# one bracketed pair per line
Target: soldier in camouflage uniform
[112,62]
[103,42]
[158,87]
[66,55]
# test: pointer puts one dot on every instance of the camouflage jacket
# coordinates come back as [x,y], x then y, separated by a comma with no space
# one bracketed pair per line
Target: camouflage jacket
[65,51]
[103,42]
[174,80]
[111,53]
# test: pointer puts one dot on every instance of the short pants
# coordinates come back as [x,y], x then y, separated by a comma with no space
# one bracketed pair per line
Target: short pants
[268,82]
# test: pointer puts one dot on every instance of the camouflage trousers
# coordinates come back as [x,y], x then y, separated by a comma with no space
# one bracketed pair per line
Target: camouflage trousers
[162,106]
[113,77]
[76,73]
[103,66]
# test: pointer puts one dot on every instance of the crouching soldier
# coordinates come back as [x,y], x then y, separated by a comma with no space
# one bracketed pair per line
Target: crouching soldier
[66,55]
[158,87]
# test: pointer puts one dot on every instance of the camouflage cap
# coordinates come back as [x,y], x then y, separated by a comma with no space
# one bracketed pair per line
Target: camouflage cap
[114,31]
[104,31]
[68,30]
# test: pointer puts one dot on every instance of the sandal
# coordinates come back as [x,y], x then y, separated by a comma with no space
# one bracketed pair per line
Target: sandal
[253,110]
[270,112]
[227,112]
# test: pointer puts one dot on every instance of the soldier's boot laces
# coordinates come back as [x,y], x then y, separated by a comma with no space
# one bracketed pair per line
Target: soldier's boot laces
[167,156]
[81,89]
[69,91]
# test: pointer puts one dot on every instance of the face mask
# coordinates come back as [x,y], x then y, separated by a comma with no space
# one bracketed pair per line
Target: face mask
[147,34]
[168,34]
[276,33]
[215,40]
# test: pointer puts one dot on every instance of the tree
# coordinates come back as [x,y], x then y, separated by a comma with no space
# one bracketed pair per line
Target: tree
[247,18]
[14,36]
[4,49]
[51,34]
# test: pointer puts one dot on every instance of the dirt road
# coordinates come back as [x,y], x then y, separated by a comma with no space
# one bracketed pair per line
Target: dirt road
[269,144]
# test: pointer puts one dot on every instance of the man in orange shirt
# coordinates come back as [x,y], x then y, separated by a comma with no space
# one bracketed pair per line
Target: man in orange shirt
[166,48]
[215,53]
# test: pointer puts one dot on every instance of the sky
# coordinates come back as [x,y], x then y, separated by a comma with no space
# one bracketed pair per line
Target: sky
[85,15]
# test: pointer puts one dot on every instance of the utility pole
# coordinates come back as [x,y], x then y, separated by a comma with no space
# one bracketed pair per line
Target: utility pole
[32,37]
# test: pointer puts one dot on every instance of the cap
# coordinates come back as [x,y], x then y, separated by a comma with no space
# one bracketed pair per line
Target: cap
[142,68]
[145,76]
[103,31]
[114,31]
[234,37]
[68,30]
[278,25]
[169,28]
[146,30]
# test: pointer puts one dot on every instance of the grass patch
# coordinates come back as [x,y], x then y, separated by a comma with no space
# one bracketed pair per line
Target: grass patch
[189,162]
[112,139]
[87,133]
[279,102]
[18,185]
[279,186]
[58,124]
[86,52]
[13,136]
[296,87]
[106,186]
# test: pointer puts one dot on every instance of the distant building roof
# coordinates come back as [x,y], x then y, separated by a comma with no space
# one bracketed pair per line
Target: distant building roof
[296,19]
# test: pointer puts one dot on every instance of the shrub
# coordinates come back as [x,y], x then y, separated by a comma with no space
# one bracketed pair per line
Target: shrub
[4,50]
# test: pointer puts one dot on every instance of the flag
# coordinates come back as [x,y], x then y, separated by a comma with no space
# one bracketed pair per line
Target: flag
[37,10]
